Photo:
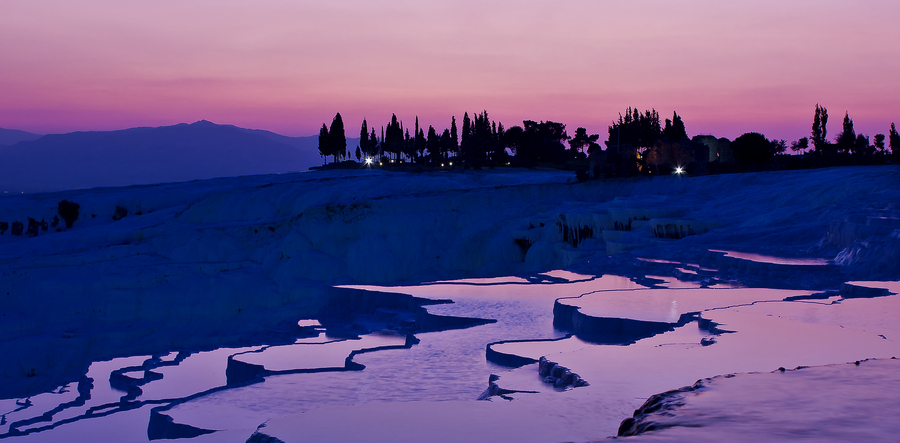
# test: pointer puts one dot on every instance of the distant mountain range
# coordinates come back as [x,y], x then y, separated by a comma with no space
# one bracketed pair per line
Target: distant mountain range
[34,163]
[13,136]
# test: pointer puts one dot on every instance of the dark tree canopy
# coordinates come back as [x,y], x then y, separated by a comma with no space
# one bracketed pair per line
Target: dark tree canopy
[846,140]
[454,136]
[482,140]
[820,130]
[674,130]
[752,148]
[433,145]
[337,139]
[581,141]
[419,143]
[635,130]
[514,140]
[779,146]
[68,211]
[637,144]
[862,146]
[374,147]
[894,139]
[364,140]
[800,145]
[466,130]
[324,144]
[878,140]
[537,142]
[409,145]
[447,144]
[392,140]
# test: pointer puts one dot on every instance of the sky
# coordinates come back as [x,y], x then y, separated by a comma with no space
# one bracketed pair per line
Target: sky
[289,65]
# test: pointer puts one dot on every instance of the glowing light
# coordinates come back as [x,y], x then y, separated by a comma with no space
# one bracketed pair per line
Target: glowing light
[679,170]
[369,161]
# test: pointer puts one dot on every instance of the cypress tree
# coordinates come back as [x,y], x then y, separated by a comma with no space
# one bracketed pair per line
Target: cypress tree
[894,140]
[674,130]
[409,146]
[364,140]
[373,145]
[847,138]
[433,144]
[454,137]
[820,130]
[324,144]
[337,138]
[641,130]
[466,133]
[392,140]
[816,129]
[446,144]
[420,140]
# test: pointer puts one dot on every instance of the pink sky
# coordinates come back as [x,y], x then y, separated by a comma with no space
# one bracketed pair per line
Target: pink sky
[289,65]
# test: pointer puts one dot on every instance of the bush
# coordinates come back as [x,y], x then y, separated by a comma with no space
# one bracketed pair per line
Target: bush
[68,211]
[120,213]
[752,148]
[33,227]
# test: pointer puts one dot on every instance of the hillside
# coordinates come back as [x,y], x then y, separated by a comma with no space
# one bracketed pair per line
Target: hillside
[217,270]
[13,136]
[146,155]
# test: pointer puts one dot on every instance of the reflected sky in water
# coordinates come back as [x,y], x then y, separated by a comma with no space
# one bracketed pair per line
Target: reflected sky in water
[753,329]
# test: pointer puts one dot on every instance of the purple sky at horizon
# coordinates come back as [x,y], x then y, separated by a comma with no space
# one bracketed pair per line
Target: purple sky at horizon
[288,66]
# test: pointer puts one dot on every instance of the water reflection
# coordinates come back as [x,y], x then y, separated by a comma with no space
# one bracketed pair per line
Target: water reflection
[376,347]
[110,389]
[759,258]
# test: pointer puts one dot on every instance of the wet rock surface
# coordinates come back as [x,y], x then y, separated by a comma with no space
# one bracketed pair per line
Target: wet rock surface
[559,376]
[776,406]
[494,390]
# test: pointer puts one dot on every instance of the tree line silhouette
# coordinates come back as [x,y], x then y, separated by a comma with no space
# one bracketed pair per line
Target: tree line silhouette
[637,143]
[480,142]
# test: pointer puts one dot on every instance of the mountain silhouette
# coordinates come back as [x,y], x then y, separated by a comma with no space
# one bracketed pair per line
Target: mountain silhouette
[150,155]
[13,136]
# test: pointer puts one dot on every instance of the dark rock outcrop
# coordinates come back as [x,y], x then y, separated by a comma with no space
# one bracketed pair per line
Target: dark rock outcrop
[494,390]
[162,427]
[643,419]
[559,376]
